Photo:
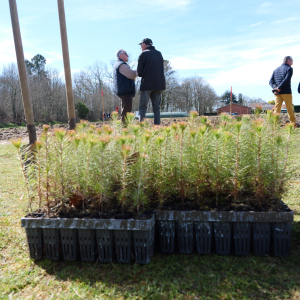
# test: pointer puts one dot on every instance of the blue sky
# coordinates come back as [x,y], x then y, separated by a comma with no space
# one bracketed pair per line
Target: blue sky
[236,43]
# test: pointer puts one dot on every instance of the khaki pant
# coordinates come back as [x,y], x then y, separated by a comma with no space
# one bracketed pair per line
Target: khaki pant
[288,99]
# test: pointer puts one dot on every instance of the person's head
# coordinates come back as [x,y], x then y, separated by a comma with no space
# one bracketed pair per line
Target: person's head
[145,43]
[122,54]
[288,60]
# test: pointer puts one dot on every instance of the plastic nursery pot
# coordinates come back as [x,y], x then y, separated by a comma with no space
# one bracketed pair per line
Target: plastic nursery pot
[80,238]
[246,229]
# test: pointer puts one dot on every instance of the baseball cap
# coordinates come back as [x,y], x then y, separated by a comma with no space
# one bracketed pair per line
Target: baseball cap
[146,41]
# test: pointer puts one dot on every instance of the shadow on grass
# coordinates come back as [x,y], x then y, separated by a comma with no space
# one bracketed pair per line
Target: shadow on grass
[183,276]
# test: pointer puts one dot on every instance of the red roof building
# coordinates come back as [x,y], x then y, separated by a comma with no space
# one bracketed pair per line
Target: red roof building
[236,109]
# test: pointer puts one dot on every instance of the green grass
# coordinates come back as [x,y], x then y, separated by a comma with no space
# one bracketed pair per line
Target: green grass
[166,277]
[10,125]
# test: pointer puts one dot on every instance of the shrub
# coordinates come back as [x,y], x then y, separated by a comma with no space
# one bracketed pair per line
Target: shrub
[82,110]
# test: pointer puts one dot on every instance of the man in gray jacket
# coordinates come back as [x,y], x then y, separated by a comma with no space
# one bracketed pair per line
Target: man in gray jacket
[124,82]
[151,69]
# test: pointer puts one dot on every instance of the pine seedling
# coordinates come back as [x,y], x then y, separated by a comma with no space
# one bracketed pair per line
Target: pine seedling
[107,129]
[129,118]
[273,120]
[202,171]
[135,130]
[114,115]
[258,110]
[237,126]
[289,128]
[159,140]
[47,166]
[60,134]
[125,151]
[103,142]
[217,135]
[91,142]
[258,126]
[225,117]
[203,120]
[278,143]
[246,119]
[193,117]
[17,144]
[182,127]
[38,147]
[142,171]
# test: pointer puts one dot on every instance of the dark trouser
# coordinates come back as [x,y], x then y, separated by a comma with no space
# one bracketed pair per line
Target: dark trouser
[126,105]
[155,97]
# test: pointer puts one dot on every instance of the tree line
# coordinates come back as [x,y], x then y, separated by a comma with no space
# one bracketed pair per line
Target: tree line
[47,89]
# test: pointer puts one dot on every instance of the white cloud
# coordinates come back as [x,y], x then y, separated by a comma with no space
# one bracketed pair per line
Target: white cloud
[265,8]
[292,19]
[185,63]
[108,10]
[53,56]
[246,63]
[170,4]
[7,47]
[256,24]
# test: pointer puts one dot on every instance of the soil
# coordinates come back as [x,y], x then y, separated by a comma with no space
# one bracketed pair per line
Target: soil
[7,134]
[242,204]
[58,211]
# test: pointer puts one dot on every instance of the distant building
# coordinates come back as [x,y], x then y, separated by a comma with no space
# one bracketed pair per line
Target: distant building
[265,106]
[236,109]
[282,107]
[254,105]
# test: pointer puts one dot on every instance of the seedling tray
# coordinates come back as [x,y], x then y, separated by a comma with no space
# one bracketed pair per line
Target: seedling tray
[205,229]
[90,239]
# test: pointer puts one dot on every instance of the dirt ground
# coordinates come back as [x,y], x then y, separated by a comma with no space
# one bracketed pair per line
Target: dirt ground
[6,134]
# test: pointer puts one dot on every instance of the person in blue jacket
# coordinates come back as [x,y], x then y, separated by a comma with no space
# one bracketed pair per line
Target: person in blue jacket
[281,87]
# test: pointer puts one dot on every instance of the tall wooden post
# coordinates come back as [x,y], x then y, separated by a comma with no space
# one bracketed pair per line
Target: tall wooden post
[66,58]
[22,72]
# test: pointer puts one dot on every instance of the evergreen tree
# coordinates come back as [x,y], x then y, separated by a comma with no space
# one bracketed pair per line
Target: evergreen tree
[36,66]
[240,99]
[226,98]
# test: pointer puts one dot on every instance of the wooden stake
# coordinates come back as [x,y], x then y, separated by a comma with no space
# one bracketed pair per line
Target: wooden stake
[22,72]
[102,106]
[66,59]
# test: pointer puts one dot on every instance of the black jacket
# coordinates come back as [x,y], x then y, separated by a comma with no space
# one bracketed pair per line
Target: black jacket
[122,85]
[281,78]
[151,69]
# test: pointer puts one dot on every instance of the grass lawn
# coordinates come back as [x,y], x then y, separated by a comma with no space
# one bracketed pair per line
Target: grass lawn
[166,277]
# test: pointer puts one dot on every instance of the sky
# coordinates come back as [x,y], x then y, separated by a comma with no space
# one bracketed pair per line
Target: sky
[228,43]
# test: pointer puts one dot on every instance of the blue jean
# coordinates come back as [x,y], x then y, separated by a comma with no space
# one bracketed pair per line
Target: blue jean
[155,97]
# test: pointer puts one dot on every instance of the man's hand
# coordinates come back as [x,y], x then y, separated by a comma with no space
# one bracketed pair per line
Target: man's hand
[278,89]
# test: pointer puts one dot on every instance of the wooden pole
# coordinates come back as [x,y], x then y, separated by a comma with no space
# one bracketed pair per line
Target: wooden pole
[66,59]
[22,72]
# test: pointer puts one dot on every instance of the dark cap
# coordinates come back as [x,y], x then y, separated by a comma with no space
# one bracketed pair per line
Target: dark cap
[146,41]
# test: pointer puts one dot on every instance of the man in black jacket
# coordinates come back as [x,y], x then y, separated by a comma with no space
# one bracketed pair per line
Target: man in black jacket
[281,84]
[151,69]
